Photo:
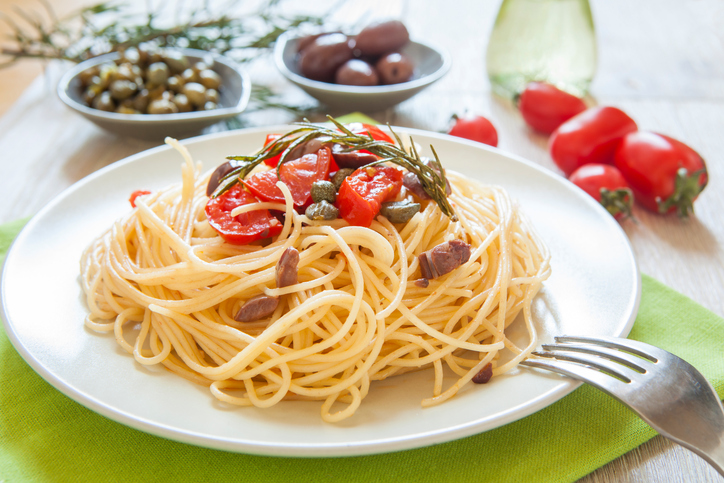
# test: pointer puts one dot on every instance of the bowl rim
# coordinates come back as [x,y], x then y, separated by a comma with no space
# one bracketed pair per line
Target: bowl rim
[219,113]
[286,37]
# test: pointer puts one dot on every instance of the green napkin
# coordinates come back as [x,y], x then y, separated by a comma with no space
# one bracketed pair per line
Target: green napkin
[45,436]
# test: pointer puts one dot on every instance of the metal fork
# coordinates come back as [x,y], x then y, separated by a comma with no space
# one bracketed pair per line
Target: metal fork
[667,392]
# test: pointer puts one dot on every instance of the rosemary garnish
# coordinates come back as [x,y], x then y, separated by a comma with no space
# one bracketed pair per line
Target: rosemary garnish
[433,182]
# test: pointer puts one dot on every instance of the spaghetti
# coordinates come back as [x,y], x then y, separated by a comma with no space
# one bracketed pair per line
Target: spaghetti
[167,285]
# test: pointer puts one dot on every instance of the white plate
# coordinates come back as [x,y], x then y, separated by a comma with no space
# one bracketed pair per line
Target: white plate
[594,290]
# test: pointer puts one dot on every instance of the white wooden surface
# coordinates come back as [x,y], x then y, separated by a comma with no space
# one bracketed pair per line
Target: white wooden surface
[660,61]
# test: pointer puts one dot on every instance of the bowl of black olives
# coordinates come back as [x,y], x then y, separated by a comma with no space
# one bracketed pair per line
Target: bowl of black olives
[153,93]
[377,68]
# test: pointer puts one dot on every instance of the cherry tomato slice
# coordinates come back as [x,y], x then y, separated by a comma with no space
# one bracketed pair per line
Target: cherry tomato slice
[475,128]
[270,138]
[545,107]
[244,228]
[605,184]
[298,176]
[376,133]
[666,175]
[589,137]
[363,192]
[136,194]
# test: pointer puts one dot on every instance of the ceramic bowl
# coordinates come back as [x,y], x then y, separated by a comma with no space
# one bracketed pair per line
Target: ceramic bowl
[234,97]
[431,63]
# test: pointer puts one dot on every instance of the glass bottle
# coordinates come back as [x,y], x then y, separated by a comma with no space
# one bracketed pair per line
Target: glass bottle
[542,40]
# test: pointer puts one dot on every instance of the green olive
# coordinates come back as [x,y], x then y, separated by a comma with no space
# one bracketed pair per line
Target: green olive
[322,211]
[126,110]
[210,106]
[209,79]
[175,83]
[131,55]
[182,102]
[162,106]
[140,102]
[125,72]
[88,96]
[340,175]
[175,61]
[196,93]
[323,191]
[104,102]
[108,74]
[122,89]
[199,66]
[157,73]
[189,75]
[87,75]
[399,211]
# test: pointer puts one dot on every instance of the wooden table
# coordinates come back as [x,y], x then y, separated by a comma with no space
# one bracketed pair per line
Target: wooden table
[660,61]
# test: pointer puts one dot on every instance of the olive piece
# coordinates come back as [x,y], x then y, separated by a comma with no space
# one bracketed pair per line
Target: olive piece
[322,211]
[321,59]
[380,37]
[104,102]
[122,89]
[340,175]
[209,79]
[196,93]
[323,190]
[399,211]
[175,83]
[182,102]
[394,68]
[351,159]
[175,61]
[157,73]
[356,72]
[210,106]
[219,173]
[310,147]
[212,95]
[162,106]
[140,102]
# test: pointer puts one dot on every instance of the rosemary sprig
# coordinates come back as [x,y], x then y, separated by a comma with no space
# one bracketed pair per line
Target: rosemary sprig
[433,182]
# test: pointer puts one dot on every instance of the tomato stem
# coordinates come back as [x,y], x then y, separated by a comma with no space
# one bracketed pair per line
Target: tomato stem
[686,188]
[618,202]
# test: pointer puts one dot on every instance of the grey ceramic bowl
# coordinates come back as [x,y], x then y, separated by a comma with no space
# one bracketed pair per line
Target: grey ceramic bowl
[234,97]
[431,63]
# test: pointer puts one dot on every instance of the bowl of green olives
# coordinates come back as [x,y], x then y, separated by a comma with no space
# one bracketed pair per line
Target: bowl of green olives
[371,71]
[151,94]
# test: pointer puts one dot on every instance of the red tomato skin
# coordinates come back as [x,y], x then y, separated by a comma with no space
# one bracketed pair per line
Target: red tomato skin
[475,128]
[135,195]
[363,192]
[376,133]
[589,137]
[591,178]
[298,176]
[545,107]
[245,228]
[270,138]
[649,161]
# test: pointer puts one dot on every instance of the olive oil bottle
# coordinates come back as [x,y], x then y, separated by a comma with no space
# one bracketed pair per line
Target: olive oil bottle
[542,40]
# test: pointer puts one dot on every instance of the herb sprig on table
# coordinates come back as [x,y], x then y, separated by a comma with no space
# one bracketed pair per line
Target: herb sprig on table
[225,27]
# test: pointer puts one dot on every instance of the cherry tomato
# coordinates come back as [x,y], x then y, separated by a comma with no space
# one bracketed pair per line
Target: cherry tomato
[136,194]
[298,175]
[475,128]
[270,138]
[244,228]
[376,133]
[363,192]
[606,185]
[666,175]
[589,137]
[545,107]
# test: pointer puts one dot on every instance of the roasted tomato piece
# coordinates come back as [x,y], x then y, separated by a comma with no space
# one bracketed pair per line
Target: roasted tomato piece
[270,138]
[136,194]
[363,192]
[376,133]
[298,175]
[244,228]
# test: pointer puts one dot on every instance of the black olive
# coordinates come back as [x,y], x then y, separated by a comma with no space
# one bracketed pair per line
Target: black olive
[218,174]
[357,72]
[380,37]
[394,68]
[321,59]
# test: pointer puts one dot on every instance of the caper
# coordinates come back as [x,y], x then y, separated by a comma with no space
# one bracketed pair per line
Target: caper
[182,102]
[175,83]
[196,93]
[104,102]
[122,89]
[209,79]
[399,211]
[340,175]
[322,210]
[210,106]
[212,95]
[175,61]
[323,190]
[157,73]
[162,106]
